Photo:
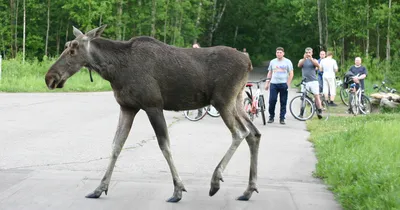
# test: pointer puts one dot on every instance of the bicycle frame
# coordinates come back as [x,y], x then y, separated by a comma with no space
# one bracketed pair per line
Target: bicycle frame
[254,102]
[254,98]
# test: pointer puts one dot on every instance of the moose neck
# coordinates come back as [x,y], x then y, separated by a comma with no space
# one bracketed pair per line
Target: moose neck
[107,57]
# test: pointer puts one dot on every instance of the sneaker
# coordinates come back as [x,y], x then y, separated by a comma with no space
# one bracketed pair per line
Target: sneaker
[332,104]
[282,121]
[271,120]
[319,113]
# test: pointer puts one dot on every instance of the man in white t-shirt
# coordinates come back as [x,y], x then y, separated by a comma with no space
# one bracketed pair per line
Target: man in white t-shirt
[329,67]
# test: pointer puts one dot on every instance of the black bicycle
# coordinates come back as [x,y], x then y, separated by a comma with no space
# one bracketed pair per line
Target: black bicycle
[303,107]
[383,88]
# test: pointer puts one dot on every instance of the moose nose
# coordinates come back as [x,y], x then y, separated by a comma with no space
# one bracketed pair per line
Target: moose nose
[51,80]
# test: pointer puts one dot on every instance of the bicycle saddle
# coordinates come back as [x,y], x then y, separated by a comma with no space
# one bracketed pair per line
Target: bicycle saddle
[249,85]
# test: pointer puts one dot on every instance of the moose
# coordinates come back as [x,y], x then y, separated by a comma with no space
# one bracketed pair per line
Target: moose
[170,78]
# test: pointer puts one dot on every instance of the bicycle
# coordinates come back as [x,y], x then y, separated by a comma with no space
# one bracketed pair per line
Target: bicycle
[198,114]
[358,101]
[303,107]
[383,88]
[344,95]
[254,104]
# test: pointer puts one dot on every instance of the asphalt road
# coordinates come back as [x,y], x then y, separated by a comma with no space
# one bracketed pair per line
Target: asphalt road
[54,149]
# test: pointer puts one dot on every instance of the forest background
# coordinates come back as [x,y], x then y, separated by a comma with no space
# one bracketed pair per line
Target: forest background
[33,32]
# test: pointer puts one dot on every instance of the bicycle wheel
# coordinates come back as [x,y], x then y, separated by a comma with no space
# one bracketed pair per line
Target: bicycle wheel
[354,104]
[196,114]
[344,96]
[262,108]
[302,108]
[248,107]
[212,111]
[325,110]
[365,105]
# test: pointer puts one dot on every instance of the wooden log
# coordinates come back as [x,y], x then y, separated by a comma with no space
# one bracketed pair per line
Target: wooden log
[375,101]
[389,104]
[390,96]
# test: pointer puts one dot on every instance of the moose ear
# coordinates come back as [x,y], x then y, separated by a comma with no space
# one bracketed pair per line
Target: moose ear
[76,31]
[94,33]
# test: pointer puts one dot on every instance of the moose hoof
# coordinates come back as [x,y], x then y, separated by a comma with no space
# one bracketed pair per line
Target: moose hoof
[174,199]
[243,198]
[213,190]
[247,194]
[95,194]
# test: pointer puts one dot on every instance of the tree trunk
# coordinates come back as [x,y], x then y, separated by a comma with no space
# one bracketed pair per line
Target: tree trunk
[66,33]
[180,23]
[198,20]
[4,47]
[321,43]
[58,39]
[343,53]
[48,27]
[378,37]
[100,19]
[235,37]
[176,24]
[326,25]
[166,22]
[119,20]
[16,28]
[367,46]
[140,24]
[210,36]
[153,18]
[24,34]
[216,18]
[388,33]
[123,32]
[12,27]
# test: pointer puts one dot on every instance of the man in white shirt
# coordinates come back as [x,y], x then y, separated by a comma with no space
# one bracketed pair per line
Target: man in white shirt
[329,67]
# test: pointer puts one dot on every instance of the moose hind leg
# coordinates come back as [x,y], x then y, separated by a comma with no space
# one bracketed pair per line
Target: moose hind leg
[157,120]
[239,132]
[124,126]
[253,140]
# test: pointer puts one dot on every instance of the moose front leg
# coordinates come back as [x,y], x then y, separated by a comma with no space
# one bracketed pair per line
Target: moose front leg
[157,120]
[126,117]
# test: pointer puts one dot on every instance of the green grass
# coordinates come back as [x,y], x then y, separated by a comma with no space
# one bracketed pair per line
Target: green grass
[29,77]
[359,158]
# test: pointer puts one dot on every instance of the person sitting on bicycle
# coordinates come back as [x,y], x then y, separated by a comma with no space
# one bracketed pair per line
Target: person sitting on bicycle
[308,64]
[362,72]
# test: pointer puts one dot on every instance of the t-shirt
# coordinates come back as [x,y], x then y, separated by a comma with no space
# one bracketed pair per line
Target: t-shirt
[308,71]
[280,70]
[359,70]
[328,65]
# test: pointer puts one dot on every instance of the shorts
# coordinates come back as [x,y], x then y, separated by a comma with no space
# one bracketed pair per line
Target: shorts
[313,86]
[329,86]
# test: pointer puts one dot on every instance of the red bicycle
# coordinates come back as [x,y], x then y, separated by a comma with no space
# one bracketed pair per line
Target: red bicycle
[254,104]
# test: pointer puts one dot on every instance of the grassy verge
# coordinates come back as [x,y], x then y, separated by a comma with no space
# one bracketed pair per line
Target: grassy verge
[359,158]
[29,77]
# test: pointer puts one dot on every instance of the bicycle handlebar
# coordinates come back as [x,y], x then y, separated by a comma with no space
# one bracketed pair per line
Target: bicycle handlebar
[255,82]
[302,81]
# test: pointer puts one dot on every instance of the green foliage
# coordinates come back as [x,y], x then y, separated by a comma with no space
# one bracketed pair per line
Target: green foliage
[29,77]
[258,26]
[358,157]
